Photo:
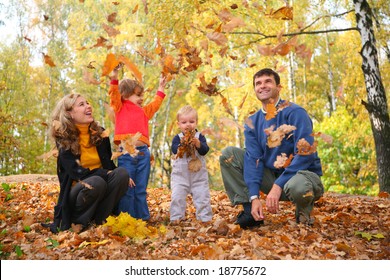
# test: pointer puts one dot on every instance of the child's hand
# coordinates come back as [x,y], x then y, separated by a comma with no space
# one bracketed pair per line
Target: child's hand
[114,74]
[196,142]
[131,183]
[162,83]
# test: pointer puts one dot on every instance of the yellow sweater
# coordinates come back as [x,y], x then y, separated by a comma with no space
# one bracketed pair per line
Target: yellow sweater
[89,156]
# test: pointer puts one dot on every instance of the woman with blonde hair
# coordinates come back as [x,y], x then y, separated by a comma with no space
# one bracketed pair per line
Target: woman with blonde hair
[90,183]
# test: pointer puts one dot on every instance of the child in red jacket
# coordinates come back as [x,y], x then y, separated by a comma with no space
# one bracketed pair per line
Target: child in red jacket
[131,119]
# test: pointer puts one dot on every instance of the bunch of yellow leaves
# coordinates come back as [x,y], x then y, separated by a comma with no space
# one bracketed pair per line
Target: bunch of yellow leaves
[128,226]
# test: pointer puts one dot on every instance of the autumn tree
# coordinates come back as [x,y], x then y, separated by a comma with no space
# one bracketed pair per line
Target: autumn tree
[376,104]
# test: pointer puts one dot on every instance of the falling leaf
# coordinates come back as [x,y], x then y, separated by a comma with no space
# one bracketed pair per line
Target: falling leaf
[225,105]
[109,64]
[283,161]
[132,67]
[304,148]
[217,37]
[209,89]
[112,32]
[48,60]
[275,137]
[130,144]
[135,9]
[146,10]
[327,138]
[271,111]
[233,24]
[87,77]
[112,18]
[283,13]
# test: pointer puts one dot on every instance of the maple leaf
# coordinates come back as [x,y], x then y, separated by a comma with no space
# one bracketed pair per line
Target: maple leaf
[283,105]
[48,60]
[209,89]
[275,137]
[129,144]
[193,59]
[109,64]
[170,66]
[132,67]
[304,148]
[128,226]
[270,108]
[283,161]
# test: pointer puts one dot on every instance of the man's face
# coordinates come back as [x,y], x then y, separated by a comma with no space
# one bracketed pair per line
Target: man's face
[266,89]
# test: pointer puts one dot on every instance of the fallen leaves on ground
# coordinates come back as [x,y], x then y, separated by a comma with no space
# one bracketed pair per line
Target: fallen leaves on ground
[341,229]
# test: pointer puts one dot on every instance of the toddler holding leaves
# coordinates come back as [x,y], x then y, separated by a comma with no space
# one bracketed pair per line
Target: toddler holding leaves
[189,173]
[132,136]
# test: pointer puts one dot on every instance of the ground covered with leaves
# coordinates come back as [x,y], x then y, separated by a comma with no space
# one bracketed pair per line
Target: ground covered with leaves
[346,227]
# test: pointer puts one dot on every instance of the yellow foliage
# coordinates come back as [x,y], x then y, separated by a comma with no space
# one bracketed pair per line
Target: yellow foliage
[131,227]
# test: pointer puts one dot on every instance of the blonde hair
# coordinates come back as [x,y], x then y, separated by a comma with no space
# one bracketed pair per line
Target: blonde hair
[127,87]
[185,110]
[63,129]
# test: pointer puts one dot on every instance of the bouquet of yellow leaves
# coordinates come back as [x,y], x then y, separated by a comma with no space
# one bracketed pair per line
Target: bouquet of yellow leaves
[126,225]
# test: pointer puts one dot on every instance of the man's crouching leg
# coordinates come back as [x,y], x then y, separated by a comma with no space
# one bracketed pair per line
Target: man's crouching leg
[303,190]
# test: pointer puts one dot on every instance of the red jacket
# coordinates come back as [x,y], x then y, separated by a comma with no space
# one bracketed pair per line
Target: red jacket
[130,118]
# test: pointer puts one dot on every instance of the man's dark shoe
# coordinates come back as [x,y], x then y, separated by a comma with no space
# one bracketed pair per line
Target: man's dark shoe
[246,220]
[302,216]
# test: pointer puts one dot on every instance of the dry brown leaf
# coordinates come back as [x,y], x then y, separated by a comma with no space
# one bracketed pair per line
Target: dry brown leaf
[111,31]
[304,148]
[217,37]
[48,60]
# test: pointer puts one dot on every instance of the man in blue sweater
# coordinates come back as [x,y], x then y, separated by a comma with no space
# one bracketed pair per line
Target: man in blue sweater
[284,132]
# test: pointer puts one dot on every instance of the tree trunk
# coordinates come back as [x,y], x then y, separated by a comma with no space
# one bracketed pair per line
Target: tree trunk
[376,104]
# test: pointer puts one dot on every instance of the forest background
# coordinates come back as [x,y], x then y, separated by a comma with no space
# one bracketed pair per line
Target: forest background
[210,50]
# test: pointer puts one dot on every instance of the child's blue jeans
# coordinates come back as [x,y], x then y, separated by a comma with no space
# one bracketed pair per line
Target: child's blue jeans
[134,201]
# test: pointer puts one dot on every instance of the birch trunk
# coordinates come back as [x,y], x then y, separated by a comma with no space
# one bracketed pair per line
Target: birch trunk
[376,104]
